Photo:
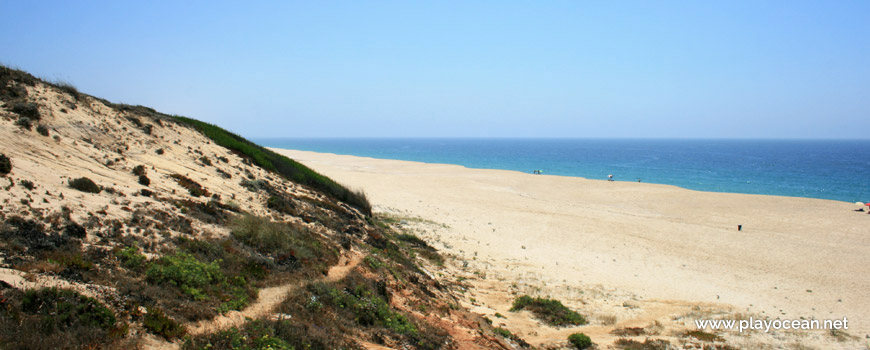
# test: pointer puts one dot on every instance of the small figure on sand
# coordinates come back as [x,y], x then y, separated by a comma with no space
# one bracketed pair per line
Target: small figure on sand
[537,172]
[739,227]
[610,177]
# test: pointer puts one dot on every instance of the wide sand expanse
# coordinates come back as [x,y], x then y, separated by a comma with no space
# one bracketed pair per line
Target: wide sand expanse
[795,257]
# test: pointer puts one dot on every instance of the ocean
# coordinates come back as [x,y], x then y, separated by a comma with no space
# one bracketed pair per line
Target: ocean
[827,169]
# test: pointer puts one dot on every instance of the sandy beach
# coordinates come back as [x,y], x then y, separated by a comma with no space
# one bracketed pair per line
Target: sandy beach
[646,243]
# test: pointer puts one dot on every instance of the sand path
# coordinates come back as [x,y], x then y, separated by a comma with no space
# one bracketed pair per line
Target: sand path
[795,257]
[268,299]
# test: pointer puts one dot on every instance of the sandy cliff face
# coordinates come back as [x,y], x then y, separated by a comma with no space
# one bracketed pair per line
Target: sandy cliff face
[175,236]
[89,139]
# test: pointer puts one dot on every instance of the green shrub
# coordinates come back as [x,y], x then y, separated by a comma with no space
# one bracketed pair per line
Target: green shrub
[27,184]
[549,311]
[275,162]
[63,308]
[274,238]
[68,88]
[502,332]
[580,341]
[184,271]
[73,260]
[205,161]
[85,185]
[75,230]
[52,318]
[280,204]
[368,308]
[5,165]
[139,170]
[42,130]
[24,122]
[373,262]
[255,185]
[410,238]
[256,334]
[130,257]
[26,110]
[205,277]
[13,82]
[157,322]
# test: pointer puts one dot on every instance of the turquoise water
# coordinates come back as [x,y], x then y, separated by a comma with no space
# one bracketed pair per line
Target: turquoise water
[838,170]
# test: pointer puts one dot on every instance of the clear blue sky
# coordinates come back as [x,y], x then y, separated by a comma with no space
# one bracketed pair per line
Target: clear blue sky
[755,69]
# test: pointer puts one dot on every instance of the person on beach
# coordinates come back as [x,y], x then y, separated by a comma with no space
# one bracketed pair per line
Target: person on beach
[610,177]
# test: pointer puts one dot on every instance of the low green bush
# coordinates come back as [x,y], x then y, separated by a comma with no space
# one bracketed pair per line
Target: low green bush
[256,334]
[275,162]
[53,318]
[27,184]
[373,262]
[42,130]
[68,88]
[580,341]
[184,271]
[139,170]
[286,242]
[281,204]
[130,257]
[157,322]
[368,308]
[24,122]
[63,308]
[85,185]
[502,332]
[549,311]
[26,110]
[5,165]
[75,230]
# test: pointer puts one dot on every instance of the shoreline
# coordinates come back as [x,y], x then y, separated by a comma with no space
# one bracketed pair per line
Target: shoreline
[277,149]
[795,257]
[569,176]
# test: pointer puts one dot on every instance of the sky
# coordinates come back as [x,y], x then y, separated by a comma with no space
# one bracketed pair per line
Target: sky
[586,69]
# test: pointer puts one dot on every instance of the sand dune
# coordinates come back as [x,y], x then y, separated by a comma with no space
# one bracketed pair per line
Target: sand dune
[795,257]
